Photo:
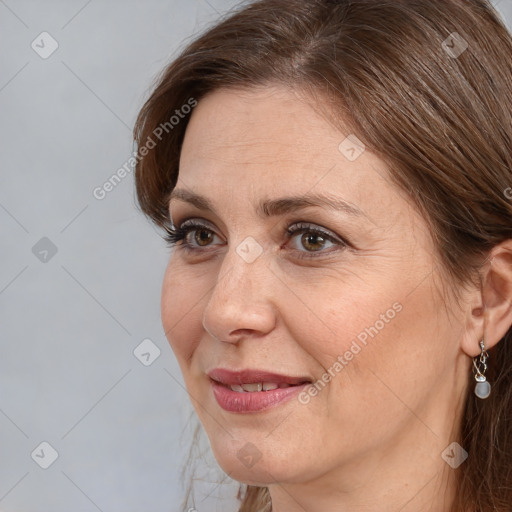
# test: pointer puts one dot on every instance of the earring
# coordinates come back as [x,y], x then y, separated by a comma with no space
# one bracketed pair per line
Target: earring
[482,388]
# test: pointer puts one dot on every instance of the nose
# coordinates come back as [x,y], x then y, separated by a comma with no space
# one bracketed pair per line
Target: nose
[240,304]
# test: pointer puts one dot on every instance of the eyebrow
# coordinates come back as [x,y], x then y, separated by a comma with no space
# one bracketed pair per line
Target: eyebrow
[275,207]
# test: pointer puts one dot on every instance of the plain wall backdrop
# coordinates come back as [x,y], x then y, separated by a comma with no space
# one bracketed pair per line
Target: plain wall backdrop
[81,272]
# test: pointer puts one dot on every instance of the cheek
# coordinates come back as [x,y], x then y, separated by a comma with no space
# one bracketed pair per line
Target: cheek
[181,309]
[360,331]
[395,364]
[341,320]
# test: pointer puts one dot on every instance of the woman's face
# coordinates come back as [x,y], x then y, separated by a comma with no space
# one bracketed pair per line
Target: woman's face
[357,312]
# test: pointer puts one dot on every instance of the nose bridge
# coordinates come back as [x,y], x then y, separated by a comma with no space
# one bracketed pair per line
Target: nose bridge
[240,270]
[237,300]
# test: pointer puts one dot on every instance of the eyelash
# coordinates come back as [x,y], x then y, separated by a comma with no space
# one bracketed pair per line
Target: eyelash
[173,236]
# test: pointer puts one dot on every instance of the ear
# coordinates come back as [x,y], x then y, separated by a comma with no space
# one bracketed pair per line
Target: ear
[491,306]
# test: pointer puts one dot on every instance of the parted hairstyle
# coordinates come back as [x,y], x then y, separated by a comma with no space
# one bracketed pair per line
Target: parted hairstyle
[427,86]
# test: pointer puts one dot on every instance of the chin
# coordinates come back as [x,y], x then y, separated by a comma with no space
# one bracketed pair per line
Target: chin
[243,462]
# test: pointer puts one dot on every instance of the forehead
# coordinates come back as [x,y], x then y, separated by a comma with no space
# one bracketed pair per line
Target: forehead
[270,142]
[273,129]
[271,123]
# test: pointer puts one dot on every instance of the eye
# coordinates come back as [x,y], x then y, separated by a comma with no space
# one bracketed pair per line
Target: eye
[314,239]
[203,235]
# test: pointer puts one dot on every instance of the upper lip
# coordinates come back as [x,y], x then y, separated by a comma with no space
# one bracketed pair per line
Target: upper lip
[248,376]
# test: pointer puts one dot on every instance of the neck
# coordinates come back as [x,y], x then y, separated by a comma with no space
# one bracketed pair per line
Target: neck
[378,483]
[408,475]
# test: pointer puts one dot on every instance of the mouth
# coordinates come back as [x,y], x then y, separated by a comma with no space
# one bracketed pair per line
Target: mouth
[251,381]
[253,390]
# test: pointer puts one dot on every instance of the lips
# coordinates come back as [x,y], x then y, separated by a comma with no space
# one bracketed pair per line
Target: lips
[253,391]
[255,380]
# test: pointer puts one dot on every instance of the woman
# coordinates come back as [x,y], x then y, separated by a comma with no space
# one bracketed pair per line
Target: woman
[333,177]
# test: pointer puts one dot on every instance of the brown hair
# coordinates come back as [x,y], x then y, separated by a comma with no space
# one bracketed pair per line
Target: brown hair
[398,73]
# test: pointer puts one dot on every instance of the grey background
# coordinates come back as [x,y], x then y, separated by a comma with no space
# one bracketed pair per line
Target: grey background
[69,324]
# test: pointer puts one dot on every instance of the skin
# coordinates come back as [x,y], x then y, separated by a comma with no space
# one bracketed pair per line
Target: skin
[372,439]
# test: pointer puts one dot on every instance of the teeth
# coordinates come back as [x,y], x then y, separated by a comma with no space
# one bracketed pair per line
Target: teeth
[260,386]
[253,387]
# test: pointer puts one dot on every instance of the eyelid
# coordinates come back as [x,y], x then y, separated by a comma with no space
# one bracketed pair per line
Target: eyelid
[194,222]
[299,227]
[295,227]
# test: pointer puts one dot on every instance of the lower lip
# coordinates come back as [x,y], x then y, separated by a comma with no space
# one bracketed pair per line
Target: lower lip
[242,402]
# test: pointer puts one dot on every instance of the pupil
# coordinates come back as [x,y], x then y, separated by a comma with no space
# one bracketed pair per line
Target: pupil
[312,239]
[203,236]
